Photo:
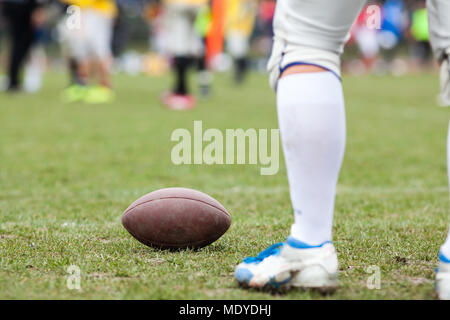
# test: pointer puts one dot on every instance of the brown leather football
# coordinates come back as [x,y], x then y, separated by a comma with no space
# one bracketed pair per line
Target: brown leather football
[176,218]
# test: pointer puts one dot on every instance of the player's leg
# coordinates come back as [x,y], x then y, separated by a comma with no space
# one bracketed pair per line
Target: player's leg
[312,126]
[443,271]
[439,21]
[202,21]
[305,67]
[75,77]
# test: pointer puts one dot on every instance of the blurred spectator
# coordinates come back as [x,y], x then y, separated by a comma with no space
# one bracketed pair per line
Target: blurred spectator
[241,16]
[366,38]
[22,18]
[88,47]
[120,32]
[393,26]
[421,47]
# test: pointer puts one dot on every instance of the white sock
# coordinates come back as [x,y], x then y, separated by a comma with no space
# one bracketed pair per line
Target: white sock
[445,249]
[311,116]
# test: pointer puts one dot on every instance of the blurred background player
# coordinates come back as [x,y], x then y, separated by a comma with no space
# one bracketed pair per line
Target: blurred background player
[86,34]
[241,16]
[393,27]
[439,32]
[366,39]
[204,76]
[22,18]
[305,72]
[184,45]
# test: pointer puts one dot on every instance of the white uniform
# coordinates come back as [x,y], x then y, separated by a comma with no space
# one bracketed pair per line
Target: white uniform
[439,25]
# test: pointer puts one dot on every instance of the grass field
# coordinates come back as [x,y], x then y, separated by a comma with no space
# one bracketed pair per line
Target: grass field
[67,172]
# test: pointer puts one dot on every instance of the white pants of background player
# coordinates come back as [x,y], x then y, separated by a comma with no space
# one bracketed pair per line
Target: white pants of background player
[237,44]
[311,105]
[91,40]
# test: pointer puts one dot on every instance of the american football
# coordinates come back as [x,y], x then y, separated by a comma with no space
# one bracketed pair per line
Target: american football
[176,218]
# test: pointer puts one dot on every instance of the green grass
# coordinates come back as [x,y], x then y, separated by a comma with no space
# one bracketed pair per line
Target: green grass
[67,172]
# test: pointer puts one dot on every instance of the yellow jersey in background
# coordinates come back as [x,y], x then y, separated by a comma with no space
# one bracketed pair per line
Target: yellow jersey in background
[241,15]
[199,3]
[107,7]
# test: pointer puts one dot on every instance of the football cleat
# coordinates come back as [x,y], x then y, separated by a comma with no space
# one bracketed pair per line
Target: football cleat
[443,278]
[291,264]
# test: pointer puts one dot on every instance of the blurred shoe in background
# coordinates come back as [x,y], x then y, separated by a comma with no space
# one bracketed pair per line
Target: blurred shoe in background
[177,101]
[99,94]
[74,93]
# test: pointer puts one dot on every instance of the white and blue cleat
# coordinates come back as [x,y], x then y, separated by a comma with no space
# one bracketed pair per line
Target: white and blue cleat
[443,278]
[291,264]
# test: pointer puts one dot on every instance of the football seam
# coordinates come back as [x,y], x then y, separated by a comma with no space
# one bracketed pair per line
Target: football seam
[128,210]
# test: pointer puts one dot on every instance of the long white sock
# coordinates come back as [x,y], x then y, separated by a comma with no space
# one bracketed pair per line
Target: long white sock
[311,116]
[445,249]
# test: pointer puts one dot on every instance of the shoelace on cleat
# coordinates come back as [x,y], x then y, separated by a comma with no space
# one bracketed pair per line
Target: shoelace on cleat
[272,250]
